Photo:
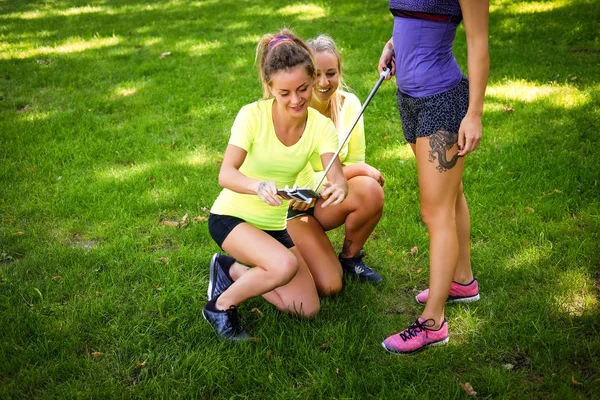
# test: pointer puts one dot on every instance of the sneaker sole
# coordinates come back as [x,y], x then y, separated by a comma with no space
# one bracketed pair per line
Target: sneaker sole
[432,344]
[233,339]
[456,300]
[213,277]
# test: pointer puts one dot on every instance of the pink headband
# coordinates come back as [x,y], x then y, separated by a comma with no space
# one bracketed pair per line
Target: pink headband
[279,39]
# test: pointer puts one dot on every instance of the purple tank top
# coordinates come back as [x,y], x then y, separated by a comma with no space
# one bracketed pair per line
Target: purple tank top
[423,35]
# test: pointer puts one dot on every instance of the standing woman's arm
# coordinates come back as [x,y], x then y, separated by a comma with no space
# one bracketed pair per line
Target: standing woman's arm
[476,18]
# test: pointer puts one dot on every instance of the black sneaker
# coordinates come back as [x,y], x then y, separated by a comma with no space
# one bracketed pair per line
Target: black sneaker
[355,266]
[226,323]
[218,281]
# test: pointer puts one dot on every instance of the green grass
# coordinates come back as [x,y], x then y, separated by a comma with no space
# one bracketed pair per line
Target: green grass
[101,140]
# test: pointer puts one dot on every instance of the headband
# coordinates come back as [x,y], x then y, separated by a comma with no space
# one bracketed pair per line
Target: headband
[278,40]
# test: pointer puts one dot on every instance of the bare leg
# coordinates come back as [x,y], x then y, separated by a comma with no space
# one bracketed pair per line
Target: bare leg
[463,273]
[439,185]
[280,275]
[316,249]
[360,212]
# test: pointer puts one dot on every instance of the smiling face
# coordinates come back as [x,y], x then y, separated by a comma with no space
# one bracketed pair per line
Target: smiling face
[292,90]
[328,75]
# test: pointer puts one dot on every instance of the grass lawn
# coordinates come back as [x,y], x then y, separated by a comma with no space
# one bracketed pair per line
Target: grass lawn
[114,115]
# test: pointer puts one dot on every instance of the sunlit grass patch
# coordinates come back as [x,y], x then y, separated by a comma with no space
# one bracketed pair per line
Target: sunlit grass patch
[520,7]
[528,92]
[396,151]
[71,45]
[574,297]
[303,11]
[197,49]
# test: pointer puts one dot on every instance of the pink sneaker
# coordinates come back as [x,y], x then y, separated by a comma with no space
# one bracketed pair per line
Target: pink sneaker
[417,337]
[459,293]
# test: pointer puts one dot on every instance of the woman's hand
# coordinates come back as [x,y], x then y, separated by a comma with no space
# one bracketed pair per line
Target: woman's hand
[469,134]
[387,58]
[267,192]
[333,194]
[363,169]
[300,205]
[374,173]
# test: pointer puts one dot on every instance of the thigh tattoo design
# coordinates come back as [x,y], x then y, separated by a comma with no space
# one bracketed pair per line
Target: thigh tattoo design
[440,143]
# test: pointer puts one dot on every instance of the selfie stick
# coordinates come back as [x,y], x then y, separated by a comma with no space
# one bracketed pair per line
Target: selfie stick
[384,74]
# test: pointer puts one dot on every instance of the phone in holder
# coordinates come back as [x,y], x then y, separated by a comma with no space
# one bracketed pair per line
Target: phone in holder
[306,195]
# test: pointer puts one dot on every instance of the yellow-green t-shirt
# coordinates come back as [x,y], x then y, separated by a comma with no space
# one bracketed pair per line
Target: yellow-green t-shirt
[353,150]
[269,159]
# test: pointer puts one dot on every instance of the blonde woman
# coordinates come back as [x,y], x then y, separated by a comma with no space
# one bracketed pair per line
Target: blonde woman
[361,210]
[271,142]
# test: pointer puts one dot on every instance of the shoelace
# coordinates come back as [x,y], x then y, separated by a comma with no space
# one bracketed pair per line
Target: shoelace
[360,266]
[234,319]
[414,328]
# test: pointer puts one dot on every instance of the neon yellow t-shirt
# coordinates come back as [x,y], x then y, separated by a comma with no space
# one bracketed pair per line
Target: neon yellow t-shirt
[353,150]
[269,159]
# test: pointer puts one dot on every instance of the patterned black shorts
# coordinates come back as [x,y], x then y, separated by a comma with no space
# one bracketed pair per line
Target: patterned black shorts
[423,116]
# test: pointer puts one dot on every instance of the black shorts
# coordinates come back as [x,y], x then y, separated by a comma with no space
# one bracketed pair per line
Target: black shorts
[297,213]
[220,226]
[424,116]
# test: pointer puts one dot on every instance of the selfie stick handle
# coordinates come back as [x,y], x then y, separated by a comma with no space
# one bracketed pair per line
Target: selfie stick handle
[384,74]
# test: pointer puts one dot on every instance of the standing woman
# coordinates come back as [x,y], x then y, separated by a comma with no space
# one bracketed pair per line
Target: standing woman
[271,142]
[441,113]
[361,210]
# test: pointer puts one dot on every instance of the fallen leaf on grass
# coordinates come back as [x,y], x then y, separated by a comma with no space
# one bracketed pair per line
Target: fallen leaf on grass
[57,277]
[388,252]
[427,234]
[140,363]
[509,109]
[199,218]
[96,354]
[165,54]
[269,353]
[164,260]
[386,137]
[18,233]
[574,382]
[255,339]
[557,191]
[468,389]
[256,310]
[170,223]
[183,221]
[414,251]
[529,209]
[574,78]
[419,270]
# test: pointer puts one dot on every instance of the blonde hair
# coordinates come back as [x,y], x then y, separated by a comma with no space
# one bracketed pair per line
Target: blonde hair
[325,44]
[281,51]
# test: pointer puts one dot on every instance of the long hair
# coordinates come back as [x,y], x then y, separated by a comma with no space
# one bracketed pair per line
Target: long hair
[325,44]
[281,51]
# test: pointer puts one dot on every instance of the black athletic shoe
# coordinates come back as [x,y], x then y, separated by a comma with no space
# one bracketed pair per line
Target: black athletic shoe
[355,266]
[218,281]
[226,323]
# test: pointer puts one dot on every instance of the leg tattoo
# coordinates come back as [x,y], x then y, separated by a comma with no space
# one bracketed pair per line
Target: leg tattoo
[346,247]
[440,143]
